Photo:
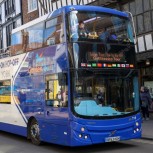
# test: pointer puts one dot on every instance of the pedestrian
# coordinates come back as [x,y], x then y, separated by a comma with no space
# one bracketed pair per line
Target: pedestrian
[145,102]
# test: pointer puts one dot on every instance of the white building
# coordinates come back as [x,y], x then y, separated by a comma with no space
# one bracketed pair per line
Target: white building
[10,18]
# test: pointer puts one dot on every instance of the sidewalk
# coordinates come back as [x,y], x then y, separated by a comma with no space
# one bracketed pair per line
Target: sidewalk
[147,128]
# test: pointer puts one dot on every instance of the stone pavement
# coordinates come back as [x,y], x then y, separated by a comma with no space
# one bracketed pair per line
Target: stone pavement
[147,128]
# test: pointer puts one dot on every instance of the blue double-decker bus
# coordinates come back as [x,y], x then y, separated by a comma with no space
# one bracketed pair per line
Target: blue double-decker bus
[70,78]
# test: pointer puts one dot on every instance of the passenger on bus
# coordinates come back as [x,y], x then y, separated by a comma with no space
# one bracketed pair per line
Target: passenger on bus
[105,35]
[82,31]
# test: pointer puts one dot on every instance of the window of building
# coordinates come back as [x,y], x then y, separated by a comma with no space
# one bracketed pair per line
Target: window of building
[32,5]
[0,14]
[5,92]
[56,90]
[147,23]
[132,8]
[125,7]
[152,16]
[143,16]
[1,39]
[146,5]
[140,25]
[9,7]
[139,8]
[8,32]
[151,4]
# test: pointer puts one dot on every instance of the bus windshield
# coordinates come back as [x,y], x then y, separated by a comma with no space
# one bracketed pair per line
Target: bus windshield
[89,26]
[105,93]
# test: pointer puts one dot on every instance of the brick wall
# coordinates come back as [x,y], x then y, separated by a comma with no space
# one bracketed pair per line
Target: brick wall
[28,16]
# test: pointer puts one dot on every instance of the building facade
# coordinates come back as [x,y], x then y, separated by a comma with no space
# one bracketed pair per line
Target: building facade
[10,18]
[33,9]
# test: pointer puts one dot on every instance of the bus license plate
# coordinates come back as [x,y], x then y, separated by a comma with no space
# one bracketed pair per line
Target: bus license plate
[111,139]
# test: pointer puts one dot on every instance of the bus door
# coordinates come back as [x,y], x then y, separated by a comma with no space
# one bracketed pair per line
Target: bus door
[56,109]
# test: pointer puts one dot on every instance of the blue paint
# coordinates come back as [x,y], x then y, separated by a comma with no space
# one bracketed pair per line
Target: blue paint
[19,130]
[98,130]
[90,108]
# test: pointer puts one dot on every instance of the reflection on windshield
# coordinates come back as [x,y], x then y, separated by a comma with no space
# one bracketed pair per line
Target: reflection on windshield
[105,95]
[99,26]
[91,108]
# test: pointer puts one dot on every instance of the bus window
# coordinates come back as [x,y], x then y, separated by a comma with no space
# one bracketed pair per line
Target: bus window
[54,31]
[17,43]
[99,27]
[34,36]
[27,39]
[5,92]
[56,90]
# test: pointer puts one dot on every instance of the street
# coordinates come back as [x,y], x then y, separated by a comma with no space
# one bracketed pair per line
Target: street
[10,143]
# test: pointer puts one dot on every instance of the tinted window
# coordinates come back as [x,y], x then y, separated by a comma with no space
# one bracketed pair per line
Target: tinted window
[54,31]
[33,37]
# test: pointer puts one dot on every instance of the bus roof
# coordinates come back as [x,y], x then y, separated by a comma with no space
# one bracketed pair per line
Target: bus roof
[69,9]
[95,8]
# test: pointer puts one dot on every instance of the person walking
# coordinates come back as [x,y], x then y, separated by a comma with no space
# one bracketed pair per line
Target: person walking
[145,102]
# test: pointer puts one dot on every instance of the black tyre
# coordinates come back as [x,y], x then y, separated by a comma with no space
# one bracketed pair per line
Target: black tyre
[35,132]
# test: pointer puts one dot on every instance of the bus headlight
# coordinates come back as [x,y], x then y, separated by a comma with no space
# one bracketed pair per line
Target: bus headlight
[137,124]
[80,136]
[82,129]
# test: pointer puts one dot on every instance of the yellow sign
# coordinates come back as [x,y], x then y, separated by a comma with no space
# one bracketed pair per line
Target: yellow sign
[5,99]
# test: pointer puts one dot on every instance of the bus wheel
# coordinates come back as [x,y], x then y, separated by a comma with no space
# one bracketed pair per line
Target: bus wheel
[35,132]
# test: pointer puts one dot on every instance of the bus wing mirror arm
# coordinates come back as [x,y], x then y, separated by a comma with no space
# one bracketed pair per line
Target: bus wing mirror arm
[131,18]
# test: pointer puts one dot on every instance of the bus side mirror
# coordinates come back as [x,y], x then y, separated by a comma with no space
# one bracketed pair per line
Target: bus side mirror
[132,21]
